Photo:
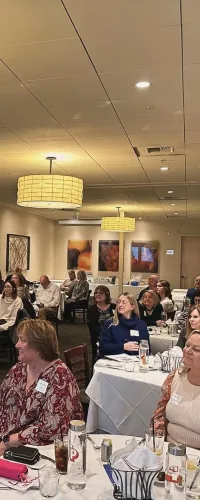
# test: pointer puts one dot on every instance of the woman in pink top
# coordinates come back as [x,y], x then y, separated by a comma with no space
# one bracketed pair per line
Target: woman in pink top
[177,414]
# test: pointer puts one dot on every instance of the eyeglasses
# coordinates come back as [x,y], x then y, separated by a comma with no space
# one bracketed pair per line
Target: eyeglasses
[196,300]
[99,293]
[123,302]
[8,286]
[194,348]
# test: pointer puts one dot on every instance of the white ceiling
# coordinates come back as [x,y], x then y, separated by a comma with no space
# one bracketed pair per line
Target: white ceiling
[68,70]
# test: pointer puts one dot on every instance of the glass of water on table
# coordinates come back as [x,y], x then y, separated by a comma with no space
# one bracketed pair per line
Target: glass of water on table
[155,442]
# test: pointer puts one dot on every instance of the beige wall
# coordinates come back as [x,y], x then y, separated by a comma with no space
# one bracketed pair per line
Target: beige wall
[16,220]
[167,233]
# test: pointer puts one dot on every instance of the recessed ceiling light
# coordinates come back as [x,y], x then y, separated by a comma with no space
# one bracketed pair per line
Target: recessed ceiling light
[170,192]
[173,204]
[142,85]
[140,218]
[175,213]
[54,212]
[164,168]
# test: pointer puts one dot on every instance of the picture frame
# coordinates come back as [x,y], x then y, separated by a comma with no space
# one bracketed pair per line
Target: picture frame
[145,256]
[108,259]
[17,252]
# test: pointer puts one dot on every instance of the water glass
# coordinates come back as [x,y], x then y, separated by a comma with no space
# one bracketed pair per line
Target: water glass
[193,470]
[129,365]
[48,478]
[155,443]
[61,453]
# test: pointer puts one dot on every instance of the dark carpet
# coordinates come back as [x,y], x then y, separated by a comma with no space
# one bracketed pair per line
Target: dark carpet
[70,335]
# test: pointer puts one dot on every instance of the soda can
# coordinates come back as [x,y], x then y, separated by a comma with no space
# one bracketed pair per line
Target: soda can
[106,450]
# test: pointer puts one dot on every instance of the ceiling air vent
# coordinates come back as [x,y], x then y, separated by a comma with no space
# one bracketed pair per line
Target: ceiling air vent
[160,149]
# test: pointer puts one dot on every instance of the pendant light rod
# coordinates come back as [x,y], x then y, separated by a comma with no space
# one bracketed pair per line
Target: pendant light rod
[51,159]
[118,212]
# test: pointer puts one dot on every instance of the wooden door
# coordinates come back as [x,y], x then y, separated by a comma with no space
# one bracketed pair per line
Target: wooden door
[190,260]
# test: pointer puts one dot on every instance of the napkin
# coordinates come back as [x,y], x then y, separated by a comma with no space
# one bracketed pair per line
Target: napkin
[176,352]
[124,452]
[140,458]
[171,359]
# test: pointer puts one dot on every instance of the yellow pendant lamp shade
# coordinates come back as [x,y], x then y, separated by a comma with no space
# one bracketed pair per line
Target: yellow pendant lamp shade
[118,224]
[50,191]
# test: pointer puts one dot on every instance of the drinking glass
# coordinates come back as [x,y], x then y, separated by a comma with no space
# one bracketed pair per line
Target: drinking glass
[48,478]
[61,453]
[193,472]
[155,443]
[129,365]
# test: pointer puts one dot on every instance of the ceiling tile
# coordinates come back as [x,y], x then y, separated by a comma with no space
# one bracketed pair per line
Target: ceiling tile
[153,125]
[141,106]
[115,16]
[120,85]
[95,129]
[123,52]
[191,44]
[25,22]
[78,112]
[126,174]
[190,11]
[165,139]
[50,59]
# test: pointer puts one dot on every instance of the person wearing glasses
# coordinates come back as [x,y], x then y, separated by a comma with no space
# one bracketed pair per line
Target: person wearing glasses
[177,413]
[193,323]
[123,332]
[101,311]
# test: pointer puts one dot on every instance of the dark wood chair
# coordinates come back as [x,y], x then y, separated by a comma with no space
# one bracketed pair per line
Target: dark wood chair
[76,359]
[81,308]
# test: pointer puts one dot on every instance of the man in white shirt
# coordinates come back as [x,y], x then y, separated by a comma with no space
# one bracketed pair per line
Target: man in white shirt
[47,297]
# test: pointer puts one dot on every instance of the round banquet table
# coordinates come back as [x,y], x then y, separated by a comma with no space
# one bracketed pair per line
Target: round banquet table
[162,342]
[97,481]
[122,402]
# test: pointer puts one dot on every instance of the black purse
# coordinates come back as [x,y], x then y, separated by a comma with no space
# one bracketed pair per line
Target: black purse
[23,454]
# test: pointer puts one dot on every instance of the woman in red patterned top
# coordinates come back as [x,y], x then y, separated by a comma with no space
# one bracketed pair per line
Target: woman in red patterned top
[39,394]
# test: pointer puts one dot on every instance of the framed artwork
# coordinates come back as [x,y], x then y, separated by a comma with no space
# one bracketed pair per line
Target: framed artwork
[17,252]
[144,256]
[79,254]
[109,255]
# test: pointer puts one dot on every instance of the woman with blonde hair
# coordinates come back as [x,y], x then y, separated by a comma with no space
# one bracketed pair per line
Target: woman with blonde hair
[177,413]
[39,395]
[123,332]
[151,309]
[193,323]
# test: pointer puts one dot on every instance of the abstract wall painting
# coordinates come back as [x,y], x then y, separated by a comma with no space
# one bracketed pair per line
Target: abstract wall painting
[109,255]
[144,256]
[17,252]
[79,254]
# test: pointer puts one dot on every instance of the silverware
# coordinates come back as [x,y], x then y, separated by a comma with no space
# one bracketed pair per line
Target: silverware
[141,441]
[47,458]
[95,446]
[195,476]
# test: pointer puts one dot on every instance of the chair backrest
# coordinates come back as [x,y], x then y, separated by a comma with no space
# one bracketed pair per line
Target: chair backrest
[76,359]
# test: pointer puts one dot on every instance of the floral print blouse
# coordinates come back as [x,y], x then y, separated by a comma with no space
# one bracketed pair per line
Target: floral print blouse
[159,416]
[36,416]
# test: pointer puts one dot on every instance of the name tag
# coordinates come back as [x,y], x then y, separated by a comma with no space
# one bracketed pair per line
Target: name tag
[41,386]
[175,399]
[134,333]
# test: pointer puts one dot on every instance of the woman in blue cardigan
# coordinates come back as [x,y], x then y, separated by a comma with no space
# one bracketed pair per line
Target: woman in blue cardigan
[124,332]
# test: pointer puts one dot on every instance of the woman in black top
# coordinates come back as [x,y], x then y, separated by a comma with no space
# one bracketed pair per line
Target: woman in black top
[101,311]
[151,309]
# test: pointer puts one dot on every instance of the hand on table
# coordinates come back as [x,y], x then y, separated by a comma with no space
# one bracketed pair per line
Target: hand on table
[160,322]
[131,346]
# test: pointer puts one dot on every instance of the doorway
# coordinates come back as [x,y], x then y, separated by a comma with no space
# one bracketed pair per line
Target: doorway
[190,260]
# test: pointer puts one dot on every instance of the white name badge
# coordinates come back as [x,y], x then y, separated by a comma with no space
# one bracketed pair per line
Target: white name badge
[41,386]
[134,333]
[175,399]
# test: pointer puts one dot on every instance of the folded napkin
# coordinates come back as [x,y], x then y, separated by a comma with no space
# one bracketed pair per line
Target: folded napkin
[176,352]
[130,482]
[170,360]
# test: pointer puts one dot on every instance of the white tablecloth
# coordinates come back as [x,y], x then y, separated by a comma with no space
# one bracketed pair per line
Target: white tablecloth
[97,479]
[162,342]
[122,402]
